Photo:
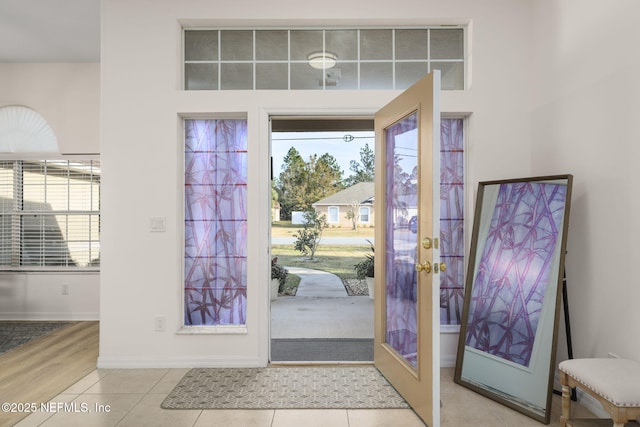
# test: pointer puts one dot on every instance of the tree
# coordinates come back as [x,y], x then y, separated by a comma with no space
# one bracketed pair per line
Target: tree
[291,183]
[301,183]
[324,178]
[353,213]
[364,170]
[308,239]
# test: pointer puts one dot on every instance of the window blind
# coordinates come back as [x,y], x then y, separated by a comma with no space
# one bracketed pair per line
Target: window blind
[50,214]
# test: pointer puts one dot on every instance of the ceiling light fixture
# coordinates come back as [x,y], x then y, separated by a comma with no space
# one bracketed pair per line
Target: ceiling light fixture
[322,60]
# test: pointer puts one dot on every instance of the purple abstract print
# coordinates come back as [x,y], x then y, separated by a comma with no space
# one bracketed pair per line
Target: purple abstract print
[452,220]
[215,264]
[514,269]
[401,201]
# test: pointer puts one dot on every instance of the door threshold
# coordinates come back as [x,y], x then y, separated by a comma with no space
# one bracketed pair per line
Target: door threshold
[322,349]
[312,363]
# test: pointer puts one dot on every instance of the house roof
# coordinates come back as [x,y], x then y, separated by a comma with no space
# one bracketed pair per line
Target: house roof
[361,192]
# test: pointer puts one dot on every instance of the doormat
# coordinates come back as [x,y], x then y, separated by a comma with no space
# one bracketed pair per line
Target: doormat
[339,387]
[13,334]
[322,349]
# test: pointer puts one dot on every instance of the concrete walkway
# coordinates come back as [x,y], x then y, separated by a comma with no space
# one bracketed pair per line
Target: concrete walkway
[321,309]
[319,284]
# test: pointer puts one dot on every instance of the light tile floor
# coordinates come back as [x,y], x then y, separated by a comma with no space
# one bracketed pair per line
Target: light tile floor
[132,397]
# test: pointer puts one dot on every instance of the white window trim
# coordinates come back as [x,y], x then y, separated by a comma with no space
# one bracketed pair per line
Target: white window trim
[16,265]
[368,221]
[337,221]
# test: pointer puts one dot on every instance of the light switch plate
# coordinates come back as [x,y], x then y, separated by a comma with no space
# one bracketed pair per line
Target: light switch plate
[158,224]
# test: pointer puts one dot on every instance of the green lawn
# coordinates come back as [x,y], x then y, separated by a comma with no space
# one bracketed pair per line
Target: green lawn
[286,229]
[336,259]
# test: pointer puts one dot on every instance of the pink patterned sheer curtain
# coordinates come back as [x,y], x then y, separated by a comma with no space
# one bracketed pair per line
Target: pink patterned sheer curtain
[401,201]
[452,220]
[215,264]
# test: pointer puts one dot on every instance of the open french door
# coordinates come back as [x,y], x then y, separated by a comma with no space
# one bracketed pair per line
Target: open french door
[407,264]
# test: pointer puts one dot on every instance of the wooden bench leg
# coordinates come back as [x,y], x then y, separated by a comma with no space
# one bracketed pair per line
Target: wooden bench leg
[565,418]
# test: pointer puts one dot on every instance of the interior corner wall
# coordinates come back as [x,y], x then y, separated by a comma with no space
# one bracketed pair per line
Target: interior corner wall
[141,151]
[67,96]
[585,119]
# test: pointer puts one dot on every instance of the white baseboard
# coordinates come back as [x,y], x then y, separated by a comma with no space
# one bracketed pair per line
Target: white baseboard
[178,362]
[448,361]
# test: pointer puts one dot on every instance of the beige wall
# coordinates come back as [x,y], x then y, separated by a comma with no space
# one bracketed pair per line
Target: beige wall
[141,142]
[585,121]
[540,101]
[343,222]
[67,96]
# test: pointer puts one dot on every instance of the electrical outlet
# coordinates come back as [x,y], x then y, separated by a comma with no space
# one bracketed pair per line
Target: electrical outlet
[613,356]
[161,323]
[65,289]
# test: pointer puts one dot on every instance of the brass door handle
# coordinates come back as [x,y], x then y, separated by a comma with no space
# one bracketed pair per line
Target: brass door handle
[425,266]
[427,243]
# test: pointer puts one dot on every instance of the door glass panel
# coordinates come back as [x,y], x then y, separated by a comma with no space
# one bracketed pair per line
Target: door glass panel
[452,74]
[236,45]
[236,76]
[201,45]
[272,45]
[304,42]
[376,44]
[401,204]
[411,44]
[344,43]
[407,73]
[376,75]
[201,76]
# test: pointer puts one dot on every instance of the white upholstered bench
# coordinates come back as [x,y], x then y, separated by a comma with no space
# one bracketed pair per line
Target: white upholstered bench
[614,382]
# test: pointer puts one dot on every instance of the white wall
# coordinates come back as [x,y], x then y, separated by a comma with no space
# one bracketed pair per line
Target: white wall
[141,151]
[67,96]
[585,121]
[39,296]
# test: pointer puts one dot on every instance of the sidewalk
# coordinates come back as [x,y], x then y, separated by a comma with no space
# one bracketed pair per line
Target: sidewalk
[321,309]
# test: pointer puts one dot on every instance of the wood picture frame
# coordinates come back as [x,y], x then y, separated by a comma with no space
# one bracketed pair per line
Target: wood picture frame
[513,293]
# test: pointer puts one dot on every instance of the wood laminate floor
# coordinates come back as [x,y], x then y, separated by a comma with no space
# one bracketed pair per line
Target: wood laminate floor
[41,369]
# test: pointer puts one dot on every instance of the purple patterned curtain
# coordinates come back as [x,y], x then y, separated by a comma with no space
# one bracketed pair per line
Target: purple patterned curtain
[513,271]
[452,220]
[401,200]
[215,264]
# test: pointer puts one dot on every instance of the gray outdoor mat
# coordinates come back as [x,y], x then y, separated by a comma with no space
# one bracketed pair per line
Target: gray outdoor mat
[339,387]
[322,349]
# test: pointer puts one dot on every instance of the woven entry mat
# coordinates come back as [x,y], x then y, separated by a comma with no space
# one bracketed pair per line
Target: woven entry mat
[13,334]
[284,388]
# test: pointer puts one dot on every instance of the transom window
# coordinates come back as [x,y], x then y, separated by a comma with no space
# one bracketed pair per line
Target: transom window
[49,214]
[322,59]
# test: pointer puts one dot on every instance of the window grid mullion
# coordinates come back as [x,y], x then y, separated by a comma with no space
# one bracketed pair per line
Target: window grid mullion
[396,73]
[46,232]
[16,219]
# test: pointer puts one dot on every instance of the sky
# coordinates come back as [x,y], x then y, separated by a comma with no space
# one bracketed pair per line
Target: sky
[308,143]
